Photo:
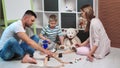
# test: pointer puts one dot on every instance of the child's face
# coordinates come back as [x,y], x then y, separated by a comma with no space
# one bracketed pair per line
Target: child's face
[52,24]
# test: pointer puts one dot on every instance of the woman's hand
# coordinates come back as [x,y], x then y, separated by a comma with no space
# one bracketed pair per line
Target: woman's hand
[78,45]
[90,57]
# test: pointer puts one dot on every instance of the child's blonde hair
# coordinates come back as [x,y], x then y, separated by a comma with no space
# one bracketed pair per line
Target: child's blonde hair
[52,18]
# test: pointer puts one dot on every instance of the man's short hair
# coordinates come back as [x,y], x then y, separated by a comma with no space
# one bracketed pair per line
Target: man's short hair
[30,12]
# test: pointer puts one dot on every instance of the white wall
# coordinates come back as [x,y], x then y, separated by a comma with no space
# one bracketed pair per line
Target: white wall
[0,8]
[95,7]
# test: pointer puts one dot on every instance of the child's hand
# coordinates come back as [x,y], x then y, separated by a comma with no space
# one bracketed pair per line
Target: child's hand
[49,41]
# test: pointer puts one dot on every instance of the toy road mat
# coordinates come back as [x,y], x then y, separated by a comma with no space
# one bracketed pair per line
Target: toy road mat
[34,66]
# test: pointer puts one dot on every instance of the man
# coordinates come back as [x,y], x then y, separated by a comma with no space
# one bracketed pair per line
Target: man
[10,46]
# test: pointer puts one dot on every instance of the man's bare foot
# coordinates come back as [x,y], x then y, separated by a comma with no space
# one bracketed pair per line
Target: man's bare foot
[90,58]
[28,59]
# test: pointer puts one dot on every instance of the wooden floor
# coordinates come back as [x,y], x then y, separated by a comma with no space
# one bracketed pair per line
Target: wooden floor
[110,61]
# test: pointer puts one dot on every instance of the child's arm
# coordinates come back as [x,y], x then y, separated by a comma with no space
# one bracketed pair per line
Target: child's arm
[44,38]
[61,40]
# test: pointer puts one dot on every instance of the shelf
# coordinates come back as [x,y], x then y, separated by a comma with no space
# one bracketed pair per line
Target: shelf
[83,2]
[68,20]
[39,20]
[51,12]
[37,5]
[68,5]
[38,11]
[51,5]
[66,11]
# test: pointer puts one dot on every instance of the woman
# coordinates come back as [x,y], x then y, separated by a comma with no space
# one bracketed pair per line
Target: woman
[98,39]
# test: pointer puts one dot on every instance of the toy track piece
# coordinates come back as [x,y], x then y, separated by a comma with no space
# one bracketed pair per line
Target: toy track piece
[48,58]
[60,55]
[71,62]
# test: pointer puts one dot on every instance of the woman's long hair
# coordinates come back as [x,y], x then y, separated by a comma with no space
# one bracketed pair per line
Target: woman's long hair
[89,15]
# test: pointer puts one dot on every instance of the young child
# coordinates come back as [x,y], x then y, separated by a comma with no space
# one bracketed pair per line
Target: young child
[51,32]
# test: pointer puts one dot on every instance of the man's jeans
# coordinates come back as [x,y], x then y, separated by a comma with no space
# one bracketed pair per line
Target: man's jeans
[14,50]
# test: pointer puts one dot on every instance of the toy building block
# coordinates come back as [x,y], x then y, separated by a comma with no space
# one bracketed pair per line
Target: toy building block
[60,55]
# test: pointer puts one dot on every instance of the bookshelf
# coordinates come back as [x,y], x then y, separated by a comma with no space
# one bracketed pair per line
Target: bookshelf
[67,12]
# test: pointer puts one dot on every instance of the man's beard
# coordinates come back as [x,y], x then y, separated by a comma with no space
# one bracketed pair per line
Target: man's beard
[27,25]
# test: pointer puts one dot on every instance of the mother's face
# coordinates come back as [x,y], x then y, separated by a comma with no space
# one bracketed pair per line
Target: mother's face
[83,14]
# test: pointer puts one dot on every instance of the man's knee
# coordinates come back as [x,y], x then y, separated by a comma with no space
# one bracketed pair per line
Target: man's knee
[7,56]
[12,40]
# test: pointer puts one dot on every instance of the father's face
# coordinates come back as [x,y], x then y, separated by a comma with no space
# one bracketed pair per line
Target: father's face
[30,21]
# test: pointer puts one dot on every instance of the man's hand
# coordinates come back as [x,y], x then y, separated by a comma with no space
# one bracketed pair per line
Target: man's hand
[48,52]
